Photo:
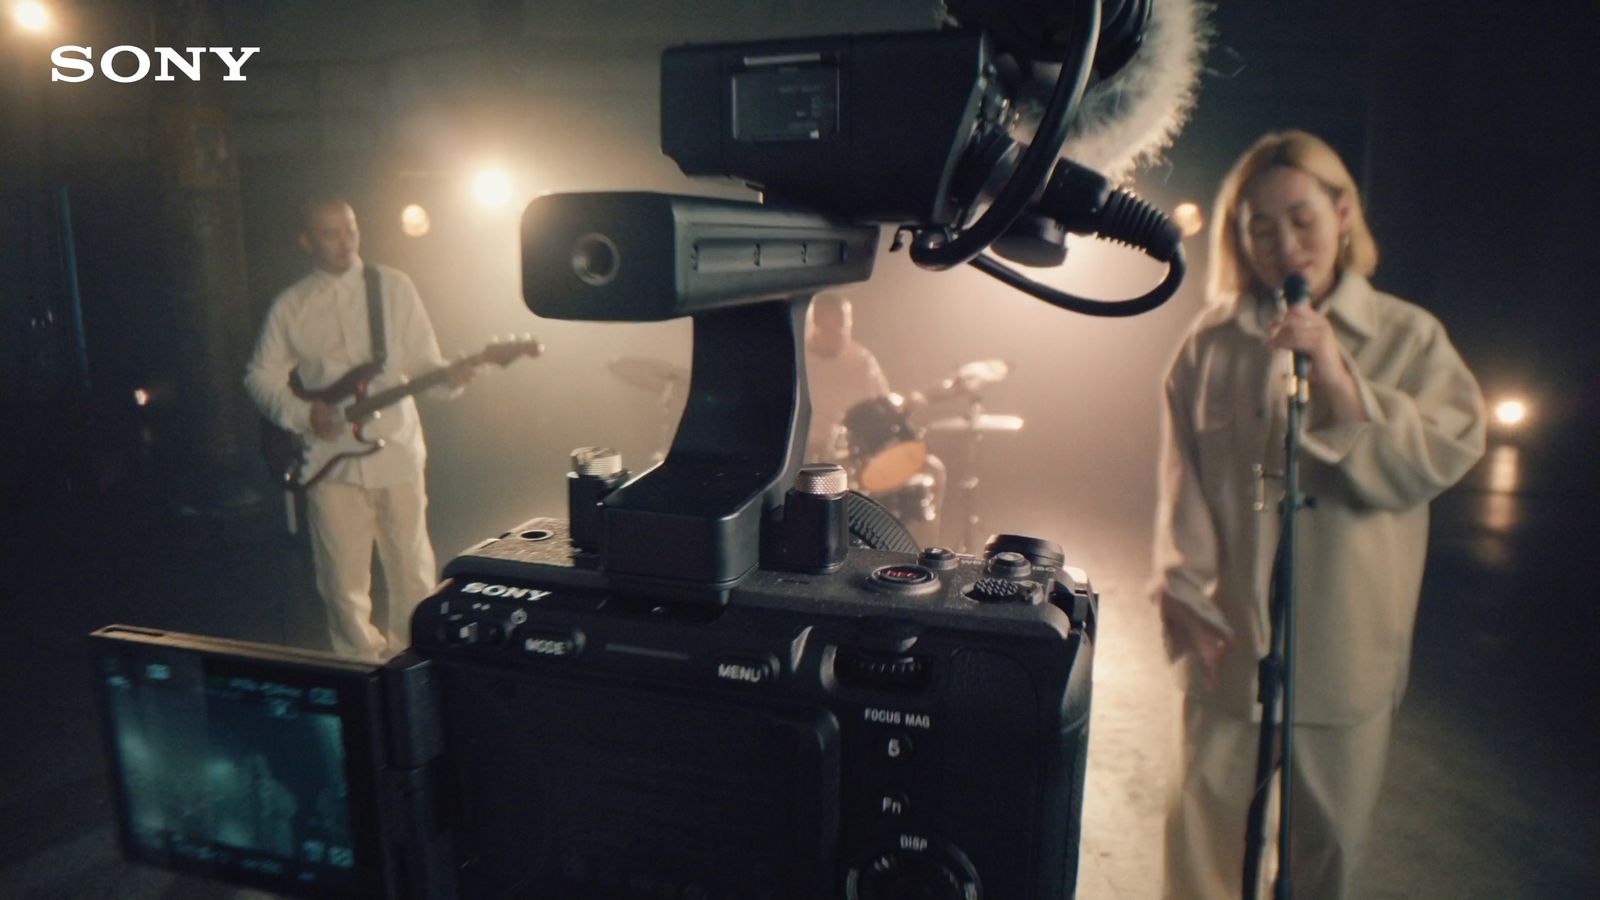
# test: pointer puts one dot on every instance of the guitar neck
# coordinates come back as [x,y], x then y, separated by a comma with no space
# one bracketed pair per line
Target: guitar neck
[370,404]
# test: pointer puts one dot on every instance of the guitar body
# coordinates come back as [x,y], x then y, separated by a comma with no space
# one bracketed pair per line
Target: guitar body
[361,395]
[301,460]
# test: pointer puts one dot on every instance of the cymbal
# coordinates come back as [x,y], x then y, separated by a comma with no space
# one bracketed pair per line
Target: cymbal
[969,378]
[984,371]
[986,424]
[648,374]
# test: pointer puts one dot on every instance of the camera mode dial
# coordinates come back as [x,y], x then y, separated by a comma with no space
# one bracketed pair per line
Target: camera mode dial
[1037,551]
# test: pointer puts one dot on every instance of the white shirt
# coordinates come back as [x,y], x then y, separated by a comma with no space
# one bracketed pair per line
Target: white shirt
[838,383]
[319,325]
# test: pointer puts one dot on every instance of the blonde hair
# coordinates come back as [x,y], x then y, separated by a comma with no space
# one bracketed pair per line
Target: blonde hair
[1230,273]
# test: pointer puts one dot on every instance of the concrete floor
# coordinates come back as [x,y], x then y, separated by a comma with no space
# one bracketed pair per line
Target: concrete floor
[1493,789]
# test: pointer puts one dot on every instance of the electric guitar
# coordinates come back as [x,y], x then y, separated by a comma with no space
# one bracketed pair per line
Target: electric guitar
[360,396]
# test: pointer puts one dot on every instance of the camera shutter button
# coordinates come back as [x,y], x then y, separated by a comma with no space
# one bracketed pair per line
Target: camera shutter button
[940,558]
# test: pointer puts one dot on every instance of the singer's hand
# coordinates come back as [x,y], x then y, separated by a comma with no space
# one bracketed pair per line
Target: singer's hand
[1304,330]
[1190,635]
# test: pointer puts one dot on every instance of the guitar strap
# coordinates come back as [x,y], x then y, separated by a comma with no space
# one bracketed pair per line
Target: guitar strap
[380,343]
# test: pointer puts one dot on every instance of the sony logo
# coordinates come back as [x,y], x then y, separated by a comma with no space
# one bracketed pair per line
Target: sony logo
[135,63]
[503,590]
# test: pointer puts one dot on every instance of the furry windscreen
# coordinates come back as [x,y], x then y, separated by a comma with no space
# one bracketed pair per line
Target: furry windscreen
[1127,120]
[1130,118]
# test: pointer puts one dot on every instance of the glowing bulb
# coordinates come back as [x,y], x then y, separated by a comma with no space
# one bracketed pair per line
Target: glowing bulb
[141,397]
[1510,412]
[492,187]
[1189,219]
[414,221]
[31,15]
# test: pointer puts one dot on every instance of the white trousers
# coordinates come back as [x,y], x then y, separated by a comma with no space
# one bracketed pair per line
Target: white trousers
[346,520]
[1337,772]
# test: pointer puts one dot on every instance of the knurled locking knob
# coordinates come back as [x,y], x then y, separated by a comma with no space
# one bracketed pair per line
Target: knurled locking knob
[821,480]
[599,462]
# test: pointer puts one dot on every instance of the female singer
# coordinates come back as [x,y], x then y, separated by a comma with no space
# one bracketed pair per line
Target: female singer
[1394,418]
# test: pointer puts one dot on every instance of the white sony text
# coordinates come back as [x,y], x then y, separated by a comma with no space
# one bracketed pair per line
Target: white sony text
[126,63]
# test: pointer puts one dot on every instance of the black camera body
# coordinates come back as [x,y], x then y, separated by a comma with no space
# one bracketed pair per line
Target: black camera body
[905,726]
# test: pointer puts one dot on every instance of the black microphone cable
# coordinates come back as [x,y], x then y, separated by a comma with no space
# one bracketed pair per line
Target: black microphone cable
[1083,202]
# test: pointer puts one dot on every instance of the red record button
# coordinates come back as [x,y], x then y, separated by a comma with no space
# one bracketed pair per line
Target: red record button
[905,579]
[903,575]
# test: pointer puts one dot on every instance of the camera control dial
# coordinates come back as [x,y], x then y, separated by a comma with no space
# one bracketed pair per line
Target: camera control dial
[919,869]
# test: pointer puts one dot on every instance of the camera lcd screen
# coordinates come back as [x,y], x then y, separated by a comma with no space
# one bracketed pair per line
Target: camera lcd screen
[242,763]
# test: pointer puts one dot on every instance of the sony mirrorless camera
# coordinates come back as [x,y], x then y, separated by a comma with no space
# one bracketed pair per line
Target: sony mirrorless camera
[725,678]
[906,726]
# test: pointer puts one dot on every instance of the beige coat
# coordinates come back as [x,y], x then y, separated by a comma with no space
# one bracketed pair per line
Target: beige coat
[1360,549]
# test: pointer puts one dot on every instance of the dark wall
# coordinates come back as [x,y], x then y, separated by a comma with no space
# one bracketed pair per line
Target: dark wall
[1484,182]
[1469,127]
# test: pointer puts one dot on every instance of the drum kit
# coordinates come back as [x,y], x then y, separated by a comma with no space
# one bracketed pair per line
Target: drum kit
[663,379]
[882,449]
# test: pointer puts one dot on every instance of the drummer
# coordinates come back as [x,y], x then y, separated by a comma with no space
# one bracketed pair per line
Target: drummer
[842,373]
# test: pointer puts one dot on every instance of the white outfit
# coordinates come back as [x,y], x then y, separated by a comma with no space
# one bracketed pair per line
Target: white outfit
[1358,565]
[320,327]
[836,384]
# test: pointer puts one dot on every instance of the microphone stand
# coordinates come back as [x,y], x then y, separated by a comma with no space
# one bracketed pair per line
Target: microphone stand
[1276,674]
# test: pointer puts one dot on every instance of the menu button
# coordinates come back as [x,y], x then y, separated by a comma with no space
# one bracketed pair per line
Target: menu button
[744,670]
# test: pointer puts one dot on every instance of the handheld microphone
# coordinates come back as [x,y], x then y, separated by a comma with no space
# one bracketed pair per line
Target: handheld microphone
[1295,293]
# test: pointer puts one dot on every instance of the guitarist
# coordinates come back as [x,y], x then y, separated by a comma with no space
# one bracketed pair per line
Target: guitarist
[318,329]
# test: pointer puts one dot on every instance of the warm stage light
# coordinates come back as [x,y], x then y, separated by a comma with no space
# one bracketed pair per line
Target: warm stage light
[141,397]
[1189,219]
[31,15]
[1510,413]
[492,187]
[414,221]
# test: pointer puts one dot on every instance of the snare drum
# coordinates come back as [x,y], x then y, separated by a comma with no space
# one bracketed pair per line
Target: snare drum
[883,448]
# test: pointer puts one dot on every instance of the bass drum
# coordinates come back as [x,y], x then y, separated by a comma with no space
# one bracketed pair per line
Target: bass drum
[883,449]
[912,503]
